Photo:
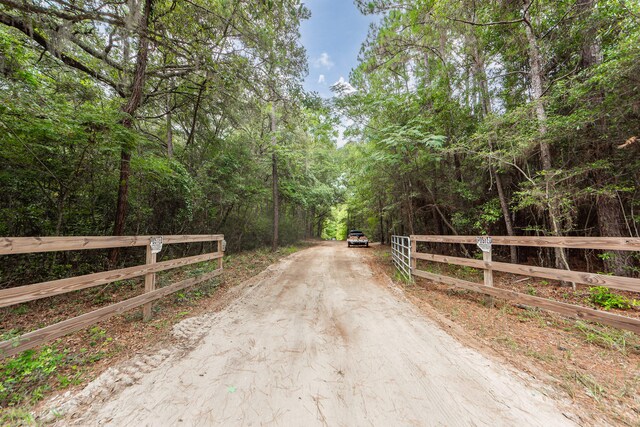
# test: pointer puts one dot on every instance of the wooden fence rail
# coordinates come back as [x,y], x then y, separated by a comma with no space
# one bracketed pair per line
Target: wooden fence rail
[486,264]
[24,245]
[20,294]
[603,243]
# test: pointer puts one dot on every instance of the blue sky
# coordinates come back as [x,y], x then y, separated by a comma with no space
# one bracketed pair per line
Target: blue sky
[332,36]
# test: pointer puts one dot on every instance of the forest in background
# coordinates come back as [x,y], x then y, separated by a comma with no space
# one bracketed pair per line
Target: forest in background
[160,117]
[505,117]
[123,117]
[143,117]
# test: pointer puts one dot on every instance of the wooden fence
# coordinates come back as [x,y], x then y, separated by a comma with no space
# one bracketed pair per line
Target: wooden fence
[25,245]
[486,264]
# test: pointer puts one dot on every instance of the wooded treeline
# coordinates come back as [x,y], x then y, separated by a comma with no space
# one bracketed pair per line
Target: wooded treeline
[513,117]
[510,117]
[166,117]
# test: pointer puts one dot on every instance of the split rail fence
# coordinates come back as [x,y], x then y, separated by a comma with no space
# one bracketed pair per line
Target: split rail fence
[486,264]
[21,294]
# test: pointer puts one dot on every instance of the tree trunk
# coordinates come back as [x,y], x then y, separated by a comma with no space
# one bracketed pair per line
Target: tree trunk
[507,217]
[590,53]
[192,129]
[60,209]
[535,63]
[319,226]
[407,190]
[274,178]
[609,211]
[609,223]
[169,128]
[381,221]
[485,99]
[137,88]
[457,168]
[437,228]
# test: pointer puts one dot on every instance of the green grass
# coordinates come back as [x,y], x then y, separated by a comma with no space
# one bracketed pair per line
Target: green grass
[545,357]
[532,314]
[399,277]
[16,417]
[508,342]
[592,387]
[20,309]
[609,338]
[288,250]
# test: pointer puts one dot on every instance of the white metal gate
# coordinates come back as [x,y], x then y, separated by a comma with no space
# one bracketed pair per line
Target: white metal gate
[401,254]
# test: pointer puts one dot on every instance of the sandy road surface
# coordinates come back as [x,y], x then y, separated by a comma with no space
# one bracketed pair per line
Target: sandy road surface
[320,342]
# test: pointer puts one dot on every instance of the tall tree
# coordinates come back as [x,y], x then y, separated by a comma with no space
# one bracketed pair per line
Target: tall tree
[129,109]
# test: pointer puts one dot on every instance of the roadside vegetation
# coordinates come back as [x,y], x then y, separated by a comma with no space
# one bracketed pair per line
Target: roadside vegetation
[76,359]
[591,365]
[498,118]
[134,118]
[470,117]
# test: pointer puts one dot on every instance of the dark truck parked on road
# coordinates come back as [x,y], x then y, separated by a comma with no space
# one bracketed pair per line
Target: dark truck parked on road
[357,238]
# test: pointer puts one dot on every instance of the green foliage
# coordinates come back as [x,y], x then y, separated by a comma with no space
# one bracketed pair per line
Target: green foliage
[63,132]
[335,227]
[26,377]
[98,336]
[603,297]
[422,73]
[605,256]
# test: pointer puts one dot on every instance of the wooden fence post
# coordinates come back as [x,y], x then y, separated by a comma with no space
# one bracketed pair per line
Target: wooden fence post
[149,284]
[413,261]
[488,273]
[220,251]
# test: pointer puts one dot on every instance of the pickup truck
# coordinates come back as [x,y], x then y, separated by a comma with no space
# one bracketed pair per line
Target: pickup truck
[357,238]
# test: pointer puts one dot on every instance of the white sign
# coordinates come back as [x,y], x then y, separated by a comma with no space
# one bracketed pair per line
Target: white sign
[484,243]
[156,244]
[224,245]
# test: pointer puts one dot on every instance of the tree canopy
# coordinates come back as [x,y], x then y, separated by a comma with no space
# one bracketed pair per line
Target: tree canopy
[143,117]
[512,117]
[469,117]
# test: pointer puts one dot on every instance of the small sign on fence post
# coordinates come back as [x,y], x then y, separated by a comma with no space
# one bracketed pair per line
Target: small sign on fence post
[484,243]
[155,246]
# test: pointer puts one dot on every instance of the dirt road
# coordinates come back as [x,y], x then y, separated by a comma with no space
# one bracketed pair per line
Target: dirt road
[320,341]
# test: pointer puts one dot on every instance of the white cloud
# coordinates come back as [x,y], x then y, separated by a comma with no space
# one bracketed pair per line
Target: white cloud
[343,87]
[321,79]
[323,61]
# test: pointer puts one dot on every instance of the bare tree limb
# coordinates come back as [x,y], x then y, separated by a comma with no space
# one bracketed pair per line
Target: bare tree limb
[488,24]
